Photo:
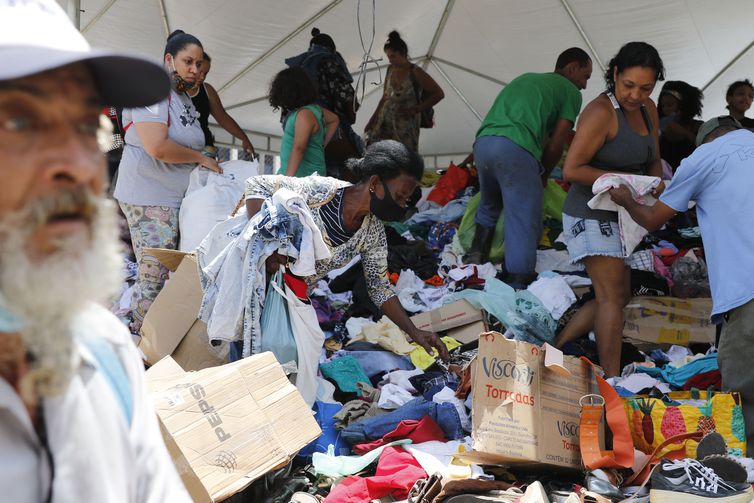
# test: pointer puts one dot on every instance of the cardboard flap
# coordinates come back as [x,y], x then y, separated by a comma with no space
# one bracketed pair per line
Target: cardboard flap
[173,312]
[169,258]
[453,315]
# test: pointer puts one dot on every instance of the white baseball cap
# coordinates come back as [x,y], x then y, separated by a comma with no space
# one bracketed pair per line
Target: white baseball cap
[36,36]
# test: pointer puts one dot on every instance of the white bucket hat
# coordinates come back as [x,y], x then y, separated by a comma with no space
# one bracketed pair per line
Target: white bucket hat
[36,36]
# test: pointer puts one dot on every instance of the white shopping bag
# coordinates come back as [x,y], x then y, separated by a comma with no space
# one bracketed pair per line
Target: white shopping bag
[210,199]
[309,341]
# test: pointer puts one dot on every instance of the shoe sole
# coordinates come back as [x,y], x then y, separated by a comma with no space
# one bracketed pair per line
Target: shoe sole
[711,444]
[726,468]
[660,496]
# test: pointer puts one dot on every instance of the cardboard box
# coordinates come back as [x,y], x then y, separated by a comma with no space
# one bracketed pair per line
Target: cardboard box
[527,413]
[171,326]
[652,321]
[460,320]
[227,426]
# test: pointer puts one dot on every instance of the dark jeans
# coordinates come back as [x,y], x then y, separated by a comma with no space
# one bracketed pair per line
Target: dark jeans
[510,180]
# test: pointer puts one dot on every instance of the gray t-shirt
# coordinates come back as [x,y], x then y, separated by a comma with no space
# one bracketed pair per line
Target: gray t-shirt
[142,179]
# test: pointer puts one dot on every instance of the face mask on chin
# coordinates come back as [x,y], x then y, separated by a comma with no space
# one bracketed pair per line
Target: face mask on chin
[179,83]
[386,208]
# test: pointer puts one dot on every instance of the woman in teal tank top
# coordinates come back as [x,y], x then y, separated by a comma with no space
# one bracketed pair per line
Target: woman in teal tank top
[307,127]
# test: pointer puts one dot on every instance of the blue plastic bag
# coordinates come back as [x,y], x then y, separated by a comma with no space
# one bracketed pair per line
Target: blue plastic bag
[330,435]
[520,312]
[277,334]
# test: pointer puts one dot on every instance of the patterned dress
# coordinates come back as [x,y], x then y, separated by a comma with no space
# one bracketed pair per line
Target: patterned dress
[391,123]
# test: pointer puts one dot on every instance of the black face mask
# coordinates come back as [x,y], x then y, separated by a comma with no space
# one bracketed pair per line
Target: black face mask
[386,208]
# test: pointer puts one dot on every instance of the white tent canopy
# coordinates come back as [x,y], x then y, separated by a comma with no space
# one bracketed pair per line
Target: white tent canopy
[470,47]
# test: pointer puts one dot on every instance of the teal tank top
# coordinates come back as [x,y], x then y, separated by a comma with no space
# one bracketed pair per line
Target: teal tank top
[314,156]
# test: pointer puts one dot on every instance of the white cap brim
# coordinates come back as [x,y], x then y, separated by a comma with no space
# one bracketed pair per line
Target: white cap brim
[123,79]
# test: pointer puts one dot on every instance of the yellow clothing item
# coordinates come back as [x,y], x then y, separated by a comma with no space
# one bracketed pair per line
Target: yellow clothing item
[421,359]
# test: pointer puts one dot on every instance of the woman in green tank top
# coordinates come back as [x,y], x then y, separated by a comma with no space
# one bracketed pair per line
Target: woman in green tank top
[307,127]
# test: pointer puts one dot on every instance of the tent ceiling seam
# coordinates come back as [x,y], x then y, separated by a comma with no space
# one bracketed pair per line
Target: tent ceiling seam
[456,90]
[262,98]
[471,71]
[98,16]
[728,66]
[280,44]
[584,36]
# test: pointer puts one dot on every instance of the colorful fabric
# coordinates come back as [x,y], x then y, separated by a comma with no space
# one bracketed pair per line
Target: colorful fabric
[440,235]
[652,420]
[449,185]
[150,227]
[346,372]
[423,430]
[397,471]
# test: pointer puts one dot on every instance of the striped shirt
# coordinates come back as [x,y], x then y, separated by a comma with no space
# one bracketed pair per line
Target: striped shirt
[332,218]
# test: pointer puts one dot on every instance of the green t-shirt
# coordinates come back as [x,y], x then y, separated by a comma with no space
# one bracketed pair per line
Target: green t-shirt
[527,109]
[314,156]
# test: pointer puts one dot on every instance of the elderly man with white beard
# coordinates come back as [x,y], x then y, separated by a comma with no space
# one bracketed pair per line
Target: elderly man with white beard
[76,423]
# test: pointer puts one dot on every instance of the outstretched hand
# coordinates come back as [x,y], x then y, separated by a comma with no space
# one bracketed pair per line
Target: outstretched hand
[430,341]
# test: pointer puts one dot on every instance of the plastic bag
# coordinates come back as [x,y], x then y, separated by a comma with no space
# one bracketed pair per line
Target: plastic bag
[210,199]
[690,278]
[277,334]
[522,313]
[552,203]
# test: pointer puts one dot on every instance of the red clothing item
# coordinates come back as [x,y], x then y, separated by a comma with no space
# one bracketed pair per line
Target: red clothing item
[397,471]
[453,181]
[705,380]
[419,431]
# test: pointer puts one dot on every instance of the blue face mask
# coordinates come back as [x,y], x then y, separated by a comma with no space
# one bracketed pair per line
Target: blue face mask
[9,322]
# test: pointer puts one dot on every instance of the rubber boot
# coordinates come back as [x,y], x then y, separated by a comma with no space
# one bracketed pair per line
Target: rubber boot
[480,245]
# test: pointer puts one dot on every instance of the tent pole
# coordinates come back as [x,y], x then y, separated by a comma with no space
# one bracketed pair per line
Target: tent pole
[727,67]
[584,36]
[97,17]
[73,9]
[457,91]
[164,15]
[469,70]
[438,33]
[277,46]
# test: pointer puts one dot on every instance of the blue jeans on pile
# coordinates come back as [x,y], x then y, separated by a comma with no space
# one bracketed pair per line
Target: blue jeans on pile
[233,274]
[510,180]
[373,428]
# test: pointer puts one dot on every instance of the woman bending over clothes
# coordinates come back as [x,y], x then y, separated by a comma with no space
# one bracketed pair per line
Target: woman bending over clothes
[350,218]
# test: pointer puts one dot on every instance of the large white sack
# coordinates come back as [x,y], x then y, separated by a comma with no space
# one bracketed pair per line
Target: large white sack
[210,198]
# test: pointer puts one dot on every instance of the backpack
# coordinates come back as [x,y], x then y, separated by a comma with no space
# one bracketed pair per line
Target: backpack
[428,115]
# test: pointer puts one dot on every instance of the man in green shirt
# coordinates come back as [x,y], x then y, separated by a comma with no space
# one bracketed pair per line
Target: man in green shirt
[519,142]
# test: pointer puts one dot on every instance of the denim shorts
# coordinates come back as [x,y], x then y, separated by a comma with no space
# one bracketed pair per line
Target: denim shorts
[586,238]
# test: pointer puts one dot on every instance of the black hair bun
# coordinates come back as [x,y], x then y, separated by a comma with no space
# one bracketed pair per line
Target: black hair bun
[176,33]
[394,36]
[315,32]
